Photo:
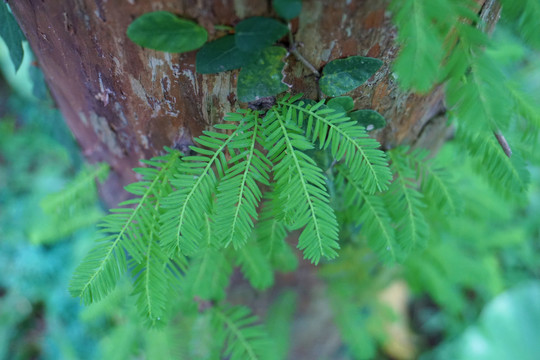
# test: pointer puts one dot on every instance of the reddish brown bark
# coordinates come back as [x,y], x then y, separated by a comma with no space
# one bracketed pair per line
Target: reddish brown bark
[124,103]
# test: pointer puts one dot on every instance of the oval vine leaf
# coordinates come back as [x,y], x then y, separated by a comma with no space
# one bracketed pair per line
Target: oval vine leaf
[221,55]
[341,104]
[343,75]
[287,9]
[164,31]
[12,35]
[370,119]
[256,33]
[263,76]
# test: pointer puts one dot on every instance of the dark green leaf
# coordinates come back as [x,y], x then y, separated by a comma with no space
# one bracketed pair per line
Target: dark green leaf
[341,104]
[256,33]
[164,31]
[12,35]
[370,119]
[263,76]
[343,75]
[221,55]
[287,9]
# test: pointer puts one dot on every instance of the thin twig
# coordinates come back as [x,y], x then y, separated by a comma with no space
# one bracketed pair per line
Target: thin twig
[504,144]
[329,170]
[293,49]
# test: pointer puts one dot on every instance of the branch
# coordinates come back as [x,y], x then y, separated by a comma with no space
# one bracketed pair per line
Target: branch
[504,144]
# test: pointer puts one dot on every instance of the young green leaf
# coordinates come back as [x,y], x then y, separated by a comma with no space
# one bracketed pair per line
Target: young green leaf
[525,14]
[238,193]
[369,212]
[156,281]
[287,9]
[196,182]
[100,270]
[208,275]
[421,53]
[222,55]
[80,193]
[301,186]
[480,100]
[525,103]
[344,75]
[257,32]
[164,31]
[368,165]
[245,338]
[406,203]
[12,35]
[508,175]
[370,119]
[271,232]
[435,182]
[262,77]
[255,266]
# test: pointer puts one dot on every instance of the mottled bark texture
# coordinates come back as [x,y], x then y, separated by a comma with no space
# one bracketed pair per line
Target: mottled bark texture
[124,103]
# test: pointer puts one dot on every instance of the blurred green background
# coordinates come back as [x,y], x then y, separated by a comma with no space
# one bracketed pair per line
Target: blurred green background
[474,292]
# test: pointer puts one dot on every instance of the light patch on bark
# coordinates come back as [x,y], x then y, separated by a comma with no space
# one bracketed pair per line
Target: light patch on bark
[83,118]
[216,90]
[104,92]
[191,77]
[154,64]
[117,67]
[309,34]
[143,139]
[325,55]
[240,8]
[105,134]
[120,112]
[137,88]
[168,60]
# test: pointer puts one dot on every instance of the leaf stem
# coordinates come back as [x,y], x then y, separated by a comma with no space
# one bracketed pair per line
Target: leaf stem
[224,28]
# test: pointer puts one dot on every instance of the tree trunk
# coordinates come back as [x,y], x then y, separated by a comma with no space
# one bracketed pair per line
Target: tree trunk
[124,103]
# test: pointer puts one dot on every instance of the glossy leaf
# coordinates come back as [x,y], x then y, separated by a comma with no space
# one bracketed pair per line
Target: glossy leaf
[370,119]
[256,33]
[164,31]
[221,55]
[341,104]
[287,9]
[344,75]
[12,35]
[263,76]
